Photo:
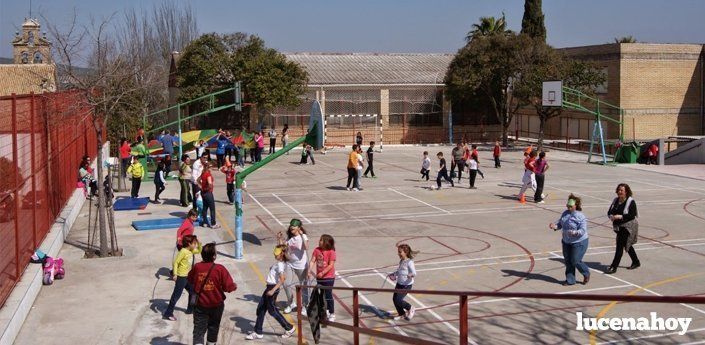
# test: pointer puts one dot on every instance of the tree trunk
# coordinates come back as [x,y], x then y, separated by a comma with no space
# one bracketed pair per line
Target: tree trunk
[101,193]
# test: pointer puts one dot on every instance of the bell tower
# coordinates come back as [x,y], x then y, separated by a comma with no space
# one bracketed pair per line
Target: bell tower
[31,46]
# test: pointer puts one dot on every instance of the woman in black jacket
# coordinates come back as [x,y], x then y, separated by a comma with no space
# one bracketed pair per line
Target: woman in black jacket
[623,214]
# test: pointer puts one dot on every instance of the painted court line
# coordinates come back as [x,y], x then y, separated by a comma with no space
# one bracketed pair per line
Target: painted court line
[266,210]
[292,208]
[421,201]
[377,310]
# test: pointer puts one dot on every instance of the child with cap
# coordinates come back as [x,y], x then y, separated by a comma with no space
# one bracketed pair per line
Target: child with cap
[297,245]
[275,280]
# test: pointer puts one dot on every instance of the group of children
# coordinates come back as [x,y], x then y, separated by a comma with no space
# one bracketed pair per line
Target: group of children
[356,164]
[534,175]
[463,156]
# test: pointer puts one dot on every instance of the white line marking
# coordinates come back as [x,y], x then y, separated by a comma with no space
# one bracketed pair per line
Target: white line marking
[558,293]
[292,208]
[578,193]
[266,210]
[345,202]
[421,201]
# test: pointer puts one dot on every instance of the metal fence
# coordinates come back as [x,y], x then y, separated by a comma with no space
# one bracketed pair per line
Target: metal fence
[42,141]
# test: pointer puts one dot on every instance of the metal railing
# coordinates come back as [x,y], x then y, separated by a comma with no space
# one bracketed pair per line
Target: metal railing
[463,308]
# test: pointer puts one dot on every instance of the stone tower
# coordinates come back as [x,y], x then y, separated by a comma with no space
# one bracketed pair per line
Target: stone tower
[30,46]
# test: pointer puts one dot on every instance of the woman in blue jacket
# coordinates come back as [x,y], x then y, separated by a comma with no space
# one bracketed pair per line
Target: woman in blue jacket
[573,225]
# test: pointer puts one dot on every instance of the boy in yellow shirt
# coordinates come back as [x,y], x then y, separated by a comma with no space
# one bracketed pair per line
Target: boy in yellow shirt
[181,267]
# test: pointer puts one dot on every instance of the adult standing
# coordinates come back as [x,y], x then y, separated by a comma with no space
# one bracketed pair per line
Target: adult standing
[573,225]
[168,141]
[185,180]
[352,170]
[297,246]
[285,137]
[125,156]
[539,171]
[229,147]
[623,214]
[206,181]
[272,140]
[210,282]
[196,172]
[220,150]
[457,154]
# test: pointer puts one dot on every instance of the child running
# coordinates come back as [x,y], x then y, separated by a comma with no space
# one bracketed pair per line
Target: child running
[323,259]
[275,280]
[370,157]
[443,171]
[425,165]
[404,276]
[529,179]
[477,160]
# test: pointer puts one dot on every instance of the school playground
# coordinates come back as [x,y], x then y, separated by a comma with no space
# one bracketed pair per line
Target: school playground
[481,240]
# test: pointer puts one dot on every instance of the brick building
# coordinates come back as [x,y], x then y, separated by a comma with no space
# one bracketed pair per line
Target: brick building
[658,86]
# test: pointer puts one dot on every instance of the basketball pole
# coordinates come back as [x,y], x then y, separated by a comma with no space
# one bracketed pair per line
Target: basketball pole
[314,137]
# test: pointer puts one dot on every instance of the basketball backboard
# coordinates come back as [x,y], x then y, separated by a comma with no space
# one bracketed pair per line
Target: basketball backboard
[552,94]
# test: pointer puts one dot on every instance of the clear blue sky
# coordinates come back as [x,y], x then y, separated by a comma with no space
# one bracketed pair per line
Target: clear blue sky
[398,25]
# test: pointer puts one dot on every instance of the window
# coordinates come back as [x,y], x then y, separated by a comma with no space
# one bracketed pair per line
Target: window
[25,57]
[37,57]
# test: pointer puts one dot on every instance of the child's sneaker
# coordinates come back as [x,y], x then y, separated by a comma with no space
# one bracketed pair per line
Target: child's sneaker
[355,190]
[253,336]
[170,318]
[289,333]
[348,188]
[331,317]
[410,314]
[290,308]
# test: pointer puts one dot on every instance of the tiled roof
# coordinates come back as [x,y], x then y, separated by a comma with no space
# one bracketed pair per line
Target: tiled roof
[24,79]
[370,68]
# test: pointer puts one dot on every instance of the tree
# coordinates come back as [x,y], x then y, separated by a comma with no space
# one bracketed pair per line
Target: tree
[625,39]
[539,62]
[121,67]
[215,61]
[532,22]
[484,68]
[486,27]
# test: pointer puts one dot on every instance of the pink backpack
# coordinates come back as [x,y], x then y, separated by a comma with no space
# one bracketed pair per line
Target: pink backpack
[53,269]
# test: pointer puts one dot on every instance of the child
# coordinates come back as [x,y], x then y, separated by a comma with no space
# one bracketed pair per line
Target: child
[443,171]
[199,207]
[309,153]
[159,182]
[136,170]
[360,165]
[477,160]
[229,170]
[370,153]
[186,228]
[404,276]
[275,280]
[472,167]
[529,178]
[496,152]
[181,267]
[323,258]
[304,155]
[425,165]
[200,148]
[167,166]
[297,245]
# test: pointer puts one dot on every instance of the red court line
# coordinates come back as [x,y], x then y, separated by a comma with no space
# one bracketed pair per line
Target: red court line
[685,208]
[443,244]
[265,225]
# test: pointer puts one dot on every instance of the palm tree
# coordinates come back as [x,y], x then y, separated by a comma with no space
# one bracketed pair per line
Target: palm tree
[625,39]
[487,26]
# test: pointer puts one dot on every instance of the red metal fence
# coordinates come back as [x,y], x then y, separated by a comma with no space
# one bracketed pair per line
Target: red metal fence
[463,331]
[42,141]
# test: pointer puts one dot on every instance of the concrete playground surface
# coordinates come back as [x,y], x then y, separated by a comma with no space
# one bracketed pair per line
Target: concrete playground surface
[469,240]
